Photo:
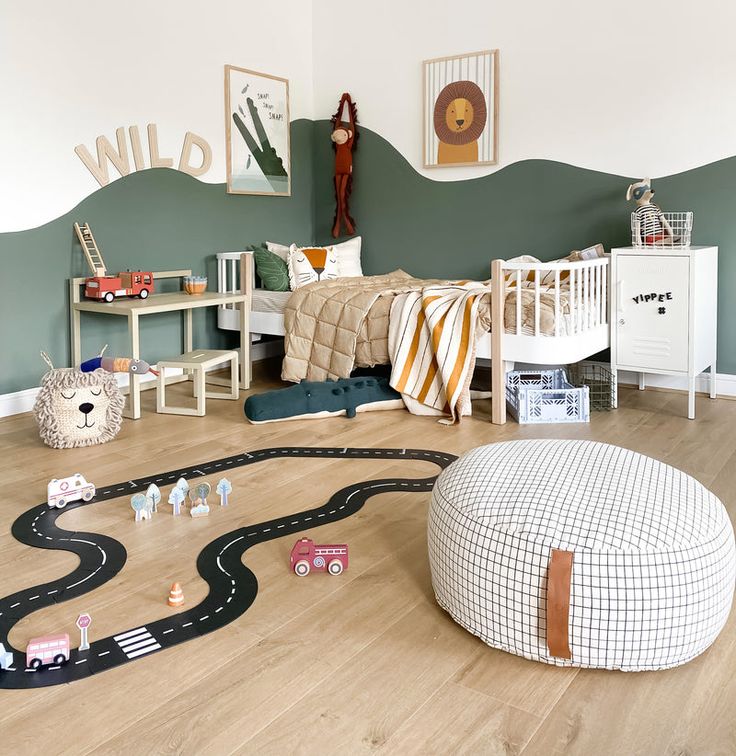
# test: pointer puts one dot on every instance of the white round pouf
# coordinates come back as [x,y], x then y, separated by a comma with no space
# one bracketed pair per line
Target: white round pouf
[653,560]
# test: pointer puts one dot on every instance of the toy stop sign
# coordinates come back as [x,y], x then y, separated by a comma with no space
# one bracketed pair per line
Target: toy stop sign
[83,622]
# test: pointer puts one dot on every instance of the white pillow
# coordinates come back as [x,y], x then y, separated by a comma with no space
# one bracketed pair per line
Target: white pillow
[348,257]
[309,264]
[278,249]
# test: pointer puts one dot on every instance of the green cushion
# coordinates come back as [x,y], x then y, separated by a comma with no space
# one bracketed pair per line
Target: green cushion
[271,269]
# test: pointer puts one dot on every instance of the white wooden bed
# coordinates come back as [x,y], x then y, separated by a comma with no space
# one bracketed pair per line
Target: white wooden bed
[580,330]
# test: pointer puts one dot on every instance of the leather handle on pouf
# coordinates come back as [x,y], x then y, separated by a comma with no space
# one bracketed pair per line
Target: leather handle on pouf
[558,603]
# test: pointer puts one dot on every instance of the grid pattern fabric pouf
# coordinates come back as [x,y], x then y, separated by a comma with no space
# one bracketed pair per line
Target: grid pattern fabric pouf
[652,552]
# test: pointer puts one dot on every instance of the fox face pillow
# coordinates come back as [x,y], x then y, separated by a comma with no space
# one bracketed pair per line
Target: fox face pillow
[309,264]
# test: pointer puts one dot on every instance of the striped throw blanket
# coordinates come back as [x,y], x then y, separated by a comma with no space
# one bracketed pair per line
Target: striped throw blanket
[432,336]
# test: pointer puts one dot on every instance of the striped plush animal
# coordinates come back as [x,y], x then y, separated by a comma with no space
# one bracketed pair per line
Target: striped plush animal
[117,365]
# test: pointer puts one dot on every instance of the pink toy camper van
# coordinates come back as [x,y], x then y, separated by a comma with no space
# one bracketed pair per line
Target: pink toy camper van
[307,556]
[46,650]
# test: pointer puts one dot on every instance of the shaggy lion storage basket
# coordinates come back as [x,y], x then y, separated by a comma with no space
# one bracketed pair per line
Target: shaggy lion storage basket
[578,553]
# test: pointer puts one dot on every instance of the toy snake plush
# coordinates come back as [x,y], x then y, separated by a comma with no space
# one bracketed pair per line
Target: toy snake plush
[344,138]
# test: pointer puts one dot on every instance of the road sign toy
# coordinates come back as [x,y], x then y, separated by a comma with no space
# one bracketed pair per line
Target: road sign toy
[47,650]
[307,556]
[6,658]
[83,622]
[60,492]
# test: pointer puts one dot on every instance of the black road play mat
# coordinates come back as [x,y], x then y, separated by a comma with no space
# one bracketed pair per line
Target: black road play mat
[232,586]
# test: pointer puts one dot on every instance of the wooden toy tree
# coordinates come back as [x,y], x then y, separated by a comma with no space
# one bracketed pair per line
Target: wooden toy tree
[176,499]
[153,497]
[224,488]
[140,507]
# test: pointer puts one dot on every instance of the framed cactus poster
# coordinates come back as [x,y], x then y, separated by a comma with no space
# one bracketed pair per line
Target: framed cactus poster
[257,133]
[461,110]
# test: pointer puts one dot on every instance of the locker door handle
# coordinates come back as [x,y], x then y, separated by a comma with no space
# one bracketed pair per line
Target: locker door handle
[620,296]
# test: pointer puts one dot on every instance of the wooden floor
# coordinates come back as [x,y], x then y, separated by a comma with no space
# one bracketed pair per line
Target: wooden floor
[360,663]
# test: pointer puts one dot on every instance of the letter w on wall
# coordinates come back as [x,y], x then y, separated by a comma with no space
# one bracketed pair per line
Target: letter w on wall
[105,152]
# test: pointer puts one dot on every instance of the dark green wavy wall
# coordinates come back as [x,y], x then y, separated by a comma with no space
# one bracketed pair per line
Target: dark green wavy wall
[163,219]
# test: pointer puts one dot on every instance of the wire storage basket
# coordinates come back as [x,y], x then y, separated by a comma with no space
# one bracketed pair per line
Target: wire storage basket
[600,381]
[545,396]
[654,233]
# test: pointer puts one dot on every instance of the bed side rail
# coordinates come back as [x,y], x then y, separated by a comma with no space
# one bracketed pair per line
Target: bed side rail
[583,284]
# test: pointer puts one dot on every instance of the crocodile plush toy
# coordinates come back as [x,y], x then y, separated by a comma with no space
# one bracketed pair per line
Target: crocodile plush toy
[308,400]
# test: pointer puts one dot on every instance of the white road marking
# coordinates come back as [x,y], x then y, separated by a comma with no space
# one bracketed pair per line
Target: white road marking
[219,609]
[123,636]
[170,630]
[186,624]
[136,643]
[81,661]
[12,606]
[206,616]
[33,598]
[142,651]
[103,653]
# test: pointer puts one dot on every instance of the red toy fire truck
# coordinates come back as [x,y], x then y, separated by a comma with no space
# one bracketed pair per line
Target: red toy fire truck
[307,556]
[129,284]
[99,285]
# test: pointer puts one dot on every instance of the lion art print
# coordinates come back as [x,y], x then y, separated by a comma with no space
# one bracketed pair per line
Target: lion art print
[78,409]
[460,114]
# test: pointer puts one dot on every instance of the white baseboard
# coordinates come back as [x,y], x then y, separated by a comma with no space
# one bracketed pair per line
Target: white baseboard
[725,382]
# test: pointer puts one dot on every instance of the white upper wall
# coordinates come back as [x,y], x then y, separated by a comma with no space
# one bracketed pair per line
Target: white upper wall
[633,88]
[76,69]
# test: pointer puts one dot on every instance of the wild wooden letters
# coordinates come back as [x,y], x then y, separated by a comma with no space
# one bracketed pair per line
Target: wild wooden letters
[120,158]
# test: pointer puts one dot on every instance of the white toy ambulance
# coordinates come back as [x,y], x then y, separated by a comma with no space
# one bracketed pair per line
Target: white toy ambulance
[73,488]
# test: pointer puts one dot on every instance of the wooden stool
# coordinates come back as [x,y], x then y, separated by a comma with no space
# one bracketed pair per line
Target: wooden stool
[198,362]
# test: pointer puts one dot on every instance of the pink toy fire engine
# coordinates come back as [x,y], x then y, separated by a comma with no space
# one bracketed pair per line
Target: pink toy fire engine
[307,556]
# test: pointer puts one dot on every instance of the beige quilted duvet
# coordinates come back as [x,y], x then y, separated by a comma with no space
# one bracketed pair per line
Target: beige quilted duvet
[335,326]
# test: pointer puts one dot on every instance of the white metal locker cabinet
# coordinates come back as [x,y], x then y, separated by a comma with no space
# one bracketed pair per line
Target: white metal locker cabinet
[664,304]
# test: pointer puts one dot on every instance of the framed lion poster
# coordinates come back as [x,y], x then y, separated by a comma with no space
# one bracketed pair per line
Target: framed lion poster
[257,133]
[461,110]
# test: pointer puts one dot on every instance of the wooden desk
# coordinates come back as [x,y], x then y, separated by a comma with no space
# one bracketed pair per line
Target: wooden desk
[134,308]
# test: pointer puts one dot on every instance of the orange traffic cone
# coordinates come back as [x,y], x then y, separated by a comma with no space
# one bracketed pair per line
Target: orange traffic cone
[176,595]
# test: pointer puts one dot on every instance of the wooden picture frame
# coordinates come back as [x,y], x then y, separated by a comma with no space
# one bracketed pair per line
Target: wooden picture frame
[257,138]
[470,83]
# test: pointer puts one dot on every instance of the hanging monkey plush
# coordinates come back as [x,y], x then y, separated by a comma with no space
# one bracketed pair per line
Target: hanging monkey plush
[344,137]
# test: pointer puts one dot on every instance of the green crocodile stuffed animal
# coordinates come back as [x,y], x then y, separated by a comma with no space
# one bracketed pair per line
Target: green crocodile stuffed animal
[308,400]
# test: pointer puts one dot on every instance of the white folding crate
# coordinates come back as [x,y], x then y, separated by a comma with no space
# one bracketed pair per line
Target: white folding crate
[545,396]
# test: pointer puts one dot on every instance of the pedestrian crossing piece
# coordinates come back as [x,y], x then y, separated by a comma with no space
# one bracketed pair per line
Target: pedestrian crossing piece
[136,642]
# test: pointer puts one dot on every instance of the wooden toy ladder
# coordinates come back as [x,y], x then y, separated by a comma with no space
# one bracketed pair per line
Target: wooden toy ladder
[90,249]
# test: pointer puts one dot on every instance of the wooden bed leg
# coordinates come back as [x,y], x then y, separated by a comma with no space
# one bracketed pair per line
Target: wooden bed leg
[498,373]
